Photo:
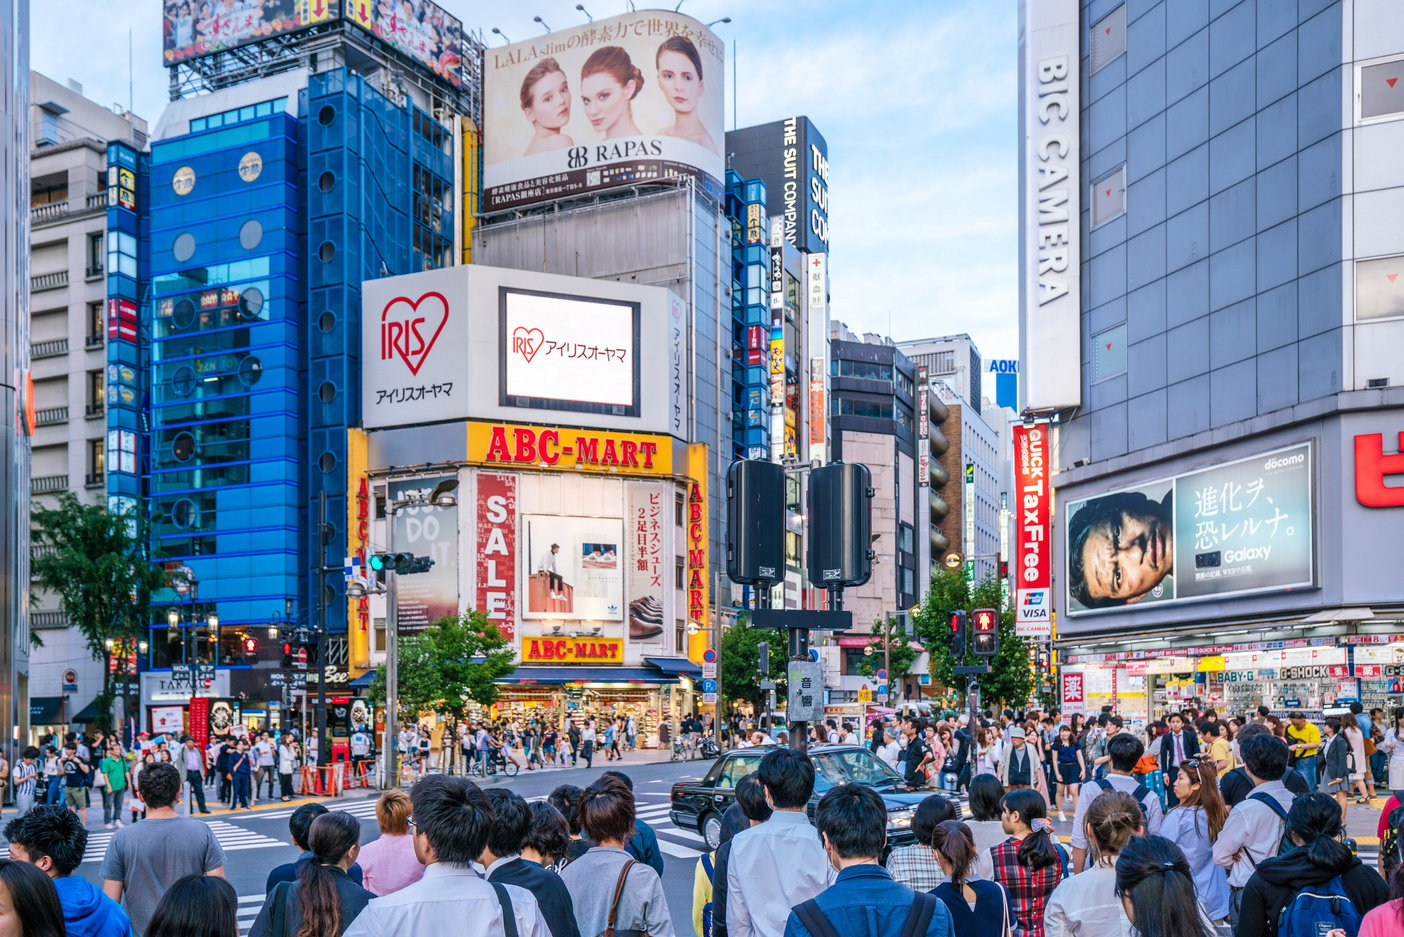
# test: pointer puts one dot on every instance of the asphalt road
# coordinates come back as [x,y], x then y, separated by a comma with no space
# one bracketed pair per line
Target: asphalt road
[256,841]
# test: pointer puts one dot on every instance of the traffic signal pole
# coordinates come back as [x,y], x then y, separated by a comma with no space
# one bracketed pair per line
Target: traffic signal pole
[390,777]
[323,753]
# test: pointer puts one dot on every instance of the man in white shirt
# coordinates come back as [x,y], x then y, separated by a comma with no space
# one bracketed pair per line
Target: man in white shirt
[1124,751]
[451,821]
[889,751]
[1254,827]
[587,743]
[781,862]
[849,736]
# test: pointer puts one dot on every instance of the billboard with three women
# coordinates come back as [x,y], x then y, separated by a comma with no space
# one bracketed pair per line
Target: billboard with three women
[632,99]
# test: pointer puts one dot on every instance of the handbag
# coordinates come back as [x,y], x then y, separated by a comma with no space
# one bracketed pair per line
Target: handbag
[99,777]
[610,929]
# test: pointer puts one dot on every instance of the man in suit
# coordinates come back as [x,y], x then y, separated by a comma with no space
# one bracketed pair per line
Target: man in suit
[1178,746]
[511,818]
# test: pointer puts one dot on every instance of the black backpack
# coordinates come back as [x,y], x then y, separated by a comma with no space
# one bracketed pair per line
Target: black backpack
[1392,844]
[1285,843]
[1140,793]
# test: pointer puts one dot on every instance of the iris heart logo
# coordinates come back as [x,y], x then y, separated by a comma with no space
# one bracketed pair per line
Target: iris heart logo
[527,342]
[410,327]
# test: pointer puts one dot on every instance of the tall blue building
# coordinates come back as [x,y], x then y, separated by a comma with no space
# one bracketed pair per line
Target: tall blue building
[271,191]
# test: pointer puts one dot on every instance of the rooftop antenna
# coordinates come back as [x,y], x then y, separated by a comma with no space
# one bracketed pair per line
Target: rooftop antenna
[131,98]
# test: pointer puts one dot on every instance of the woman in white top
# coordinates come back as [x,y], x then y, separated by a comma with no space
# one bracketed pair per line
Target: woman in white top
[287,764]
[1394,744]
[1356,739]
[1086,904]
[990,754]
[986,824]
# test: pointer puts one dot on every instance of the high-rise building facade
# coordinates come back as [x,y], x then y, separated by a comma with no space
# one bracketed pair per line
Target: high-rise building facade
[1209,309]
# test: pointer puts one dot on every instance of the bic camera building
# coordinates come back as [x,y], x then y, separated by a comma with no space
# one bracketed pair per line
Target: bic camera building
[1211,311]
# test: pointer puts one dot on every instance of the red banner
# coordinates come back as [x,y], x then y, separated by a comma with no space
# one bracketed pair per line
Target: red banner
[1033,553]
[200,721]
[1074,698]
[496,547]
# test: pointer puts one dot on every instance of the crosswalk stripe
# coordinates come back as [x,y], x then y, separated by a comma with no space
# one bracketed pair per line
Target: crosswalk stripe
[231,838]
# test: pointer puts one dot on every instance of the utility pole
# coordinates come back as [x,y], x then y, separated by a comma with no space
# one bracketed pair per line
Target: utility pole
[391,778]
[323,751]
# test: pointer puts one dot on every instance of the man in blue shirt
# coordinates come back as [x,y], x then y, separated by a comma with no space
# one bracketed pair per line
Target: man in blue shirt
[52,838]
[863,901]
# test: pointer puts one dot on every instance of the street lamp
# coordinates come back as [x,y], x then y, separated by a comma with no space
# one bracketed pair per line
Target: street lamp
[502,34]
[581,8]
[537,19]
[724,19]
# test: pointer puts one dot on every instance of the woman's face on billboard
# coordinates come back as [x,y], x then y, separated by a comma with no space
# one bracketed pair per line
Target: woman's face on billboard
[678,78]
[1127,555]
[550,101]
[605,100]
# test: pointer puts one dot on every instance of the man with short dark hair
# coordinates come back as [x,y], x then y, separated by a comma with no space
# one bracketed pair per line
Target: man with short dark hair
[1304,740]
[52,840]
[915,754]
[864,899]
[1123,751]
[1236,785]
[299,826]
[643,845]
[780,862]
[451,823]
[145,859]
[1253,831]
[1176,746]
[750,800]
[25,775]
[502,859]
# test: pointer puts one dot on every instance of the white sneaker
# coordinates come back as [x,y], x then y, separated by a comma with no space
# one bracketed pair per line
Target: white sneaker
[117,824]
[107,826]
[1062,816]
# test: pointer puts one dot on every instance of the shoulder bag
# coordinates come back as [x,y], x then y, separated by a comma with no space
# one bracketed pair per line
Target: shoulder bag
[611,930]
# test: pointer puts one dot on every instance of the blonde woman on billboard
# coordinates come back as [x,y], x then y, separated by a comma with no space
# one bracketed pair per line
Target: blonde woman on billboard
[609,82]
[546,104]
[680,77]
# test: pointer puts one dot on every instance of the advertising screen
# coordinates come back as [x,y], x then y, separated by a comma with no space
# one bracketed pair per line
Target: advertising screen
[569,353]
[575,568]
[1226,530]
[193,28]
[634,98]
[417,29]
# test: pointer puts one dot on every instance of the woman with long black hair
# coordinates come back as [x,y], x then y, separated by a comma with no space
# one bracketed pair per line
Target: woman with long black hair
[978,907]
[1317,857]
[196,906]
[1156,889]
[1030,864]
[29,903]
[324,901]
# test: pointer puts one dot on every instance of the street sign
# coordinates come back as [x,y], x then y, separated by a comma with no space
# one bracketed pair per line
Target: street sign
[301,658]
[882,674]
[865,694]
[709,699]
[805,690]
[882,689]
[204,677]
[709,656]
[281,678]
[709,686]
[709,671]
[70,681]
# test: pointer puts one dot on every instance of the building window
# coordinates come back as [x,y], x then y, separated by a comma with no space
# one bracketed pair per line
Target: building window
[943,362]
[95,324]
[906,384]
[1108,39]
[1109,353]
[1379,288]
[96,389]
[1381,92]
[867,370]
[908,586]
[904,538]
[95,253]
[1109,196]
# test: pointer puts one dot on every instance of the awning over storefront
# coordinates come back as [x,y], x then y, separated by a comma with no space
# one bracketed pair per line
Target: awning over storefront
[363,681]
[89,713]
[854,640]
[44,710]
[675,666]
[560,675]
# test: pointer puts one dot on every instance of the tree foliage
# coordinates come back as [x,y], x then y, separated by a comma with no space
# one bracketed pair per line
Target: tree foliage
[1008,682]
[900,654]
[740,662]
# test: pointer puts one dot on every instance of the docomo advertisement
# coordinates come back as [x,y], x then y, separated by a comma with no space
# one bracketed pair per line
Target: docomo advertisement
[1239,528]
[631,99]
[1051,197]
[1033,551]
[478,342]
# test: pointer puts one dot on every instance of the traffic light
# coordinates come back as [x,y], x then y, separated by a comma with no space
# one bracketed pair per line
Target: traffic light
[755,522]
[382,563]
[250,650]
[985,633]
[763,656]
[840,525]
[957,635]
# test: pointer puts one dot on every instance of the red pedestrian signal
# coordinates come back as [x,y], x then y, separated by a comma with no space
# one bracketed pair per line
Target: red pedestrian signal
[985,640]
[957,635]
[287,654]
[250,650]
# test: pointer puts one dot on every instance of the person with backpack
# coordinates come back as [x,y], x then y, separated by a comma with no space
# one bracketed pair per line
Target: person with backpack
[863,900]
[1086,904]
[1254,829]
[1125,752]
[1316,886]
[1030,864]
[1236,785]
[1194,826]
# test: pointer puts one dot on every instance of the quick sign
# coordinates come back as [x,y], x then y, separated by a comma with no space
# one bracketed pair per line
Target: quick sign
[1033,552]
[560,449]
[550,650]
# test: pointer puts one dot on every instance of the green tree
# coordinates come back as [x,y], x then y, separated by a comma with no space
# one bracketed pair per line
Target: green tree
[899,658]
[1008,682]
[95,562]
[456,660]
[740,663]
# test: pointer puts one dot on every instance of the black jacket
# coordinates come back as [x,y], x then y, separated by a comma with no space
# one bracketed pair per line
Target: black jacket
[1167,747]
[1236,785]
[551,895]
[1277,881]
[281,914]
[719,866]
[1337,757]
[289,871]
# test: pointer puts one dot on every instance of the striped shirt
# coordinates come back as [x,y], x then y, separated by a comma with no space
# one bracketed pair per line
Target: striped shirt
[25,776]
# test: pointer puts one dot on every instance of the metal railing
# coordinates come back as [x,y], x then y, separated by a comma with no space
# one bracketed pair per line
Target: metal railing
[50,416]
[49,281]
[49,349]
[48,484]
[94,410]
[93,341]
[94,479]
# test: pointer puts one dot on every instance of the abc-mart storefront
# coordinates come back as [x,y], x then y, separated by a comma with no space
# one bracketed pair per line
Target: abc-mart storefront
[1328,634]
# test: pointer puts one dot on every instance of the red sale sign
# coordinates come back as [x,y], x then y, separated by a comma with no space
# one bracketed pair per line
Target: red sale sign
[496,543]
[1033,552]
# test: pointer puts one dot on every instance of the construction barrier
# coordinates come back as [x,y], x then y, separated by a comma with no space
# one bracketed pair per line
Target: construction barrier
[323,781]
[360,775]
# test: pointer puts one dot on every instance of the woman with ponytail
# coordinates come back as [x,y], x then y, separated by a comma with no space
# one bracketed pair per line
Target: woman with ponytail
[1086,904]
[1317,857]
[324,901]
[1156,889]
[1030,864]
[978,908]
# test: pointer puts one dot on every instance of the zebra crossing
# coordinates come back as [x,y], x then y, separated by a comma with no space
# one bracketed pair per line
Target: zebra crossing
[672,841]
[249,906]
[360,809]
[231,838]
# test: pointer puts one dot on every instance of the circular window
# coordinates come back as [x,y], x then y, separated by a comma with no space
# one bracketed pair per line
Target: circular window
[183,382]
[327,180]
[327,462]
[326,321]
[250,370]
[184,514]
[327,392]
[183,248]
[183,447]
[251,303]
[250,234]
[183,182]
[250,166]
[327,251]
[326,115]
[183,316]
[328,595]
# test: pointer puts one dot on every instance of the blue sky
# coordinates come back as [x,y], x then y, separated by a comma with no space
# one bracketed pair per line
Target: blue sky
[917,101]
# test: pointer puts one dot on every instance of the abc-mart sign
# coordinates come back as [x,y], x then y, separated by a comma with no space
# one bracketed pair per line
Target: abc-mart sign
[518,346]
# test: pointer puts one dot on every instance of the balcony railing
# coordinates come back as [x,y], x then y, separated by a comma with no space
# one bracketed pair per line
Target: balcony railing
[93,341]
[94,410]
[48,484]
[49,281]
[52,211]
[50,349]
[94,479]
[97,200]
[93,271]
[51,416]
[48,619]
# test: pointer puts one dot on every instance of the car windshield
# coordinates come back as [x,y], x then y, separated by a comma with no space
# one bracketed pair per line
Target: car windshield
[844,767]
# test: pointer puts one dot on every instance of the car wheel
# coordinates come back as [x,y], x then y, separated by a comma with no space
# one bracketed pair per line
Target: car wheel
[711,830]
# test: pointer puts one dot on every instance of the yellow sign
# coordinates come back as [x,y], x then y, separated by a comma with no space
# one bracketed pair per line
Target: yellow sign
[183,181]
[553,650]
[865,694]
[510,445]
[250,166]
[1212,664]
[698,563]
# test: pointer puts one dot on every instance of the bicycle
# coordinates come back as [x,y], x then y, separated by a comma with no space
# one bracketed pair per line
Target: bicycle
[684,748]
[496,763]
